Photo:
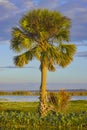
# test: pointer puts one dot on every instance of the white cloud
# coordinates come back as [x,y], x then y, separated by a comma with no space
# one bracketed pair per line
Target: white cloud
[7,4]
[82,54]
[4,42]
[77,11]
[26,5]
[29,3]
[7,9]
[50,4]
[10,14]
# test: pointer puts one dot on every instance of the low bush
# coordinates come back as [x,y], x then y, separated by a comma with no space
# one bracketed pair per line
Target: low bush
[18,119]
[58,101]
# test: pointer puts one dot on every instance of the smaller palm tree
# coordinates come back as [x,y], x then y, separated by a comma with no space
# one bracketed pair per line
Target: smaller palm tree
[58,101]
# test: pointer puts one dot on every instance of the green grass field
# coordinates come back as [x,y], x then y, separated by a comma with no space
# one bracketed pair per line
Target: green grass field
[25,115]
[19,106]
[73,106]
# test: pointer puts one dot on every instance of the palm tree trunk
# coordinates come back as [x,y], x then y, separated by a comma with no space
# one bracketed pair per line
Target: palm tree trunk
[43,93]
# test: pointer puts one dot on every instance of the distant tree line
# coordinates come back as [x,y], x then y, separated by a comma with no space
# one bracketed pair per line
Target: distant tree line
[23,92]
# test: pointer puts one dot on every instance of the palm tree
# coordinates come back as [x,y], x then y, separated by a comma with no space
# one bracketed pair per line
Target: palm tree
[44,35]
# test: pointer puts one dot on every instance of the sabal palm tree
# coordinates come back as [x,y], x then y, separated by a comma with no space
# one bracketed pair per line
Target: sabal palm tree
[44,35]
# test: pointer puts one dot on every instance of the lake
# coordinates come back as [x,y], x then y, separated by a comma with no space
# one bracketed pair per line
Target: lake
[12,98]
[79,98]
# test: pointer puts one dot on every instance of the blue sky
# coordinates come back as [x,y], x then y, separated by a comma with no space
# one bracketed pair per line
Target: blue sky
[73,76]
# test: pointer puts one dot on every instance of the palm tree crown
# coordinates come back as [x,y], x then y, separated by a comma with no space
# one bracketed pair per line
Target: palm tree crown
[43,34]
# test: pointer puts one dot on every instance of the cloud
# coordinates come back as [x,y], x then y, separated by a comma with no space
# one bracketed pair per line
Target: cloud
[4,42]
[82,54]
[48,4]
[4,68]
[7,4]
[7,9]
[25,5]
[77,11]
[82,43]
[29,3]
[11,11]
[14,67]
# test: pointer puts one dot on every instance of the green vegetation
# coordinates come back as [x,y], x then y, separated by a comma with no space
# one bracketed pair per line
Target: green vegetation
[27,119]
[77,106]
[78,93]
[73,93]
[23,92]
[15,93]
[19,106]
[58,101]
[44,35]
[25,115]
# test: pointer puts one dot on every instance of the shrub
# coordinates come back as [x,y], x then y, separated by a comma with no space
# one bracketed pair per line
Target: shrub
[58,101]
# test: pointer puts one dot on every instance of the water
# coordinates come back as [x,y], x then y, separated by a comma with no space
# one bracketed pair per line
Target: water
[12,98]
[79,98]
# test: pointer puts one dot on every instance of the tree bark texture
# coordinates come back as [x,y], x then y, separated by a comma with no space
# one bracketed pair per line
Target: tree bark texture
[43,92]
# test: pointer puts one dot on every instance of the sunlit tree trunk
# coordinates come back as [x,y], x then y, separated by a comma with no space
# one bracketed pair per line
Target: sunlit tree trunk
[43,92]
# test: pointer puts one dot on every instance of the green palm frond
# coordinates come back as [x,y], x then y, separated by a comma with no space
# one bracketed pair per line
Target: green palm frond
[49,56]
[23,59]
[27,56]
[64,30]
[66,54]
[51,67]
[20,40]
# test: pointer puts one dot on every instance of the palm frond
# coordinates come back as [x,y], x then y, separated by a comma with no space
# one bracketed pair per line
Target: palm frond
[51,67]
[66,54]
[49,56]
[23,59]
[20,41]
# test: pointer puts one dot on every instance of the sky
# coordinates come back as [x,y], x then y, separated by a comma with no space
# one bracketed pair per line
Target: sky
[73,76]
